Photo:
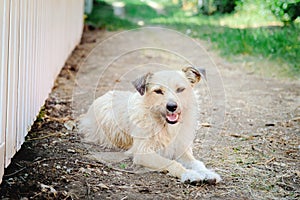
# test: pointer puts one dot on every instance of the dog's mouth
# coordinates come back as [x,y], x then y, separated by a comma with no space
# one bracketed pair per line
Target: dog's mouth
[172,118]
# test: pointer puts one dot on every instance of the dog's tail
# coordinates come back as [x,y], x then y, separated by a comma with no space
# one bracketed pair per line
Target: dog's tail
[89,129]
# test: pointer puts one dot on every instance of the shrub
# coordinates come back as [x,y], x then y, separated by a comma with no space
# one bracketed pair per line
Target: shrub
[218,6]
[225,6]
[286,10]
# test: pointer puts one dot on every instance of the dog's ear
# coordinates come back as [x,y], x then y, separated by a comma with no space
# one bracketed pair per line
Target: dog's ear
[194,74]
[140,83]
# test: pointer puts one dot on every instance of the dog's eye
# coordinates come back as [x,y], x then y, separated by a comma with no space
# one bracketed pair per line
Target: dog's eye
[158,91]
[179,90]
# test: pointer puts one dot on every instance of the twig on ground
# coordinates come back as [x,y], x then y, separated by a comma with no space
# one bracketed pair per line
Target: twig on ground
[256,149]
[45,160]
[106,165]
[14,173]
[266,162]
[241,136]
[31,164]
[43,137]
[58,119]
[270,160]
[36,195]
[88,190]
[235,135]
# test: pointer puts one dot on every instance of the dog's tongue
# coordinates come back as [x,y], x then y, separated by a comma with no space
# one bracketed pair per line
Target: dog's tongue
[172,117]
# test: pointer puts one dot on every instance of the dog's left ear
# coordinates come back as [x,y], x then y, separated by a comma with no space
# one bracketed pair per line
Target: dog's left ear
[194,74]
[140,83]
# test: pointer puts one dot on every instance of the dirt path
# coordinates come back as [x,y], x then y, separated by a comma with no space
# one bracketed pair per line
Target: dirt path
[249,129]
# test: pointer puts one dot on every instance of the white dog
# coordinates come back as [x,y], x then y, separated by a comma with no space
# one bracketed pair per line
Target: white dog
[156,125]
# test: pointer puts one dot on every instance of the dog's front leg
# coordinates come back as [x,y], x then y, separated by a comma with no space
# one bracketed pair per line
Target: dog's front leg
[188,160]
[156,162]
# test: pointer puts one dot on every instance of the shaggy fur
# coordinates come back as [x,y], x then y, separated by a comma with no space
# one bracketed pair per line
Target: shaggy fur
[156,124]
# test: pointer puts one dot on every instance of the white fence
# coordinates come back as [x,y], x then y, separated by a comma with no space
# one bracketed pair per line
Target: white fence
[36,37]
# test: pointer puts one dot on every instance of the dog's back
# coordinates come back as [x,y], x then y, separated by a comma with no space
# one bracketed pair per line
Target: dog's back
[107,123]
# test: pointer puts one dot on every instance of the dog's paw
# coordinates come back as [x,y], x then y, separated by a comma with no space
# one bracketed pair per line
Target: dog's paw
[192,176]
[210,177]
[198,177]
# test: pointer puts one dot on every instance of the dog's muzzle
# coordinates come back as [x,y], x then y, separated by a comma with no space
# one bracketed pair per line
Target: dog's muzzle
[172,117]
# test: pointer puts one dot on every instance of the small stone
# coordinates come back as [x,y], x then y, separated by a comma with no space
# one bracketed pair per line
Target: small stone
[205,124]
[71,151]
[188,31]
[118,173]
[105,172]
[47,188]
[69,125]
[81,169]
[65,193]
[197,140]
[103,186]
[279,164]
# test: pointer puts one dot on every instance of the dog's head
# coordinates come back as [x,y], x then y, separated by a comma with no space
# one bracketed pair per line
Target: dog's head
[168,93]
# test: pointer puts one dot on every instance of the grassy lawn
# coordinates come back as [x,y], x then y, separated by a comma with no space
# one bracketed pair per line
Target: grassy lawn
[250,34]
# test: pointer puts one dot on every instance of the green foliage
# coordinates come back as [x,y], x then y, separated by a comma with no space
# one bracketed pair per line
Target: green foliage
[225,6]
[102,16]
[123,166]
[41,115]
[286,10]
[278,44]
[252,31]
[218,6]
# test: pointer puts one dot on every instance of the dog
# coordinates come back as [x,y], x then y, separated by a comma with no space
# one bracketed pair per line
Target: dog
[156,124]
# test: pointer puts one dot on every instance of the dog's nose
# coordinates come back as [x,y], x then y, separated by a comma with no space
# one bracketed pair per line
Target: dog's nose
[171,106]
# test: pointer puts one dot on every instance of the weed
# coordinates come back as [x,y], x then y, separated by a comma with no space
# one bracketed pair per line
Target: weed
[123,166]
[41,115]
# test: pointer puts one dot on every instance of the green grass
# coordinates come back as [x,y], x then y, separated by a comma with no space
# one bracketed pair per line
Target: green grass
[251,33]
[102,16]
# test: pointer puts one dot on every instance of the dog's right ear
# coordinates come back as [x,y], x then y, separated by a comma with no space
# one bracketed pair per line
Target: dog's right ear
[194,74]
[140,83]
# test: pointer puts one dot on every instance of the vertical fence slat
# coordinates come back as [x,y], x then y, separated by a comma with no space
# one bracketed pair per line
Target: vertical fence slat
[12,93]
[4,35]
[31,62]
[21,128]
[27,68]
